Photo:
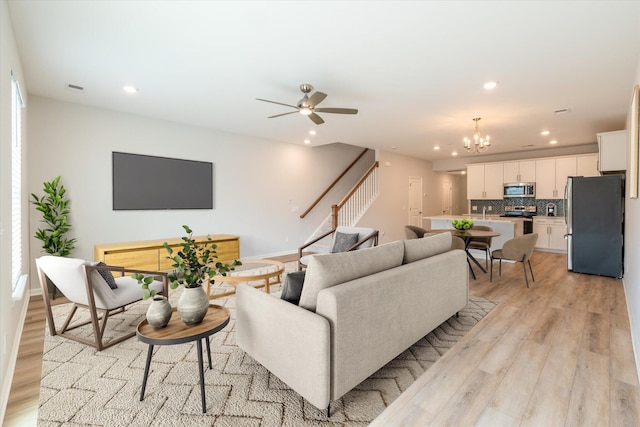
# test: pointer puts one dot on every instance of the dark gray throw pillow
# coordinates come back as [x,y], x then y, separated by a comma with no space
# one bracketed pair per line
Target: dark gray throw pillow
[292,287]
[107,276]
[344,241]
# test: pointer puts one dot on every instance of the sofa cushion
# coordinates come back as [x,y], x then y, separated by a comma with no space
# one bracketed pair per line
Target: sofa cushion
[344,241]
[416,249]
[328,270]
[292,287]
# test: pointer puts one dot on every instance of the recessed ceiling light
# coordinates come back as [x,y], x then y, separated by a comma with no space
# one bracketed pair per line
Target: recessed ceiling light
[130,89]
[437,147]
[394,147]
[545,133]
[455,153]
[553,141]
[307,141]
[312,132]
[490,85]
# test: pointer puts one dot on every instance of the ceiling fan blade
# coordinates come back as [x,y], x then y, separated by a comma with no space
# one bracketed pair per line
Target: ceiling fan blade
[337,110]
[274,102]
[316,99]
[283,114]
[316,118]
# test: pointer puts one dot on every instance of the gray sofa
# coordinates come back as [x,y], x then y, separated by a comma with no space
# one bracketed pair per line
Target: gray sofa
[358,311]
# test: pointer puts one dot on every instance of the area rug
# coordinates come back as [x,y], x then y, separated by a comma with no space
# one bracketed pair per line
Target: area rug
[81,386]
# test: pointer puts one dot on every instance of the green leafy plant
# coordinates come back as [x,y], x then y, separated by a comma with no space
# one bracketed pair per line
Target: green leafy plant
[145,281]
[55,211]
[462,224]
[195,262]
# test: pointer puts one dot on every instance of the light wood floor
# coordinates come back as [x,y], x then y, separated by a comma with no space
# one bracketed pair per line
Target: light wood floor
[558,353]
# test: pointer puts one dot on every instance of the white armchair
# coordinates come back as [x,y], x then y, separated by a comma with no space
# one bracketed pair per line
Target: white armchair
[367,237]
[83,284]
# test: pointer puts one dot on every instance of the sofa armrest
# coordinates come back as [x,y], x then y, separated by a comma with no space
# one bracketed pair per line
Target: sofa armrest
[291,342]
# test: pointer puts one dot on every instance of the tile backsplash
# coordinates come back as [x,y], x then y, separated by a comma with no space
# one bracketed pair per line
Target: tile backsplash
[496,207]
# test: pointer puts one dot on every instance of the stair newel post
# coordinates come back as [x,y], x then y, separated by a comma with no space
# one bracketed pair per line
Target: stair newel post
[334,216]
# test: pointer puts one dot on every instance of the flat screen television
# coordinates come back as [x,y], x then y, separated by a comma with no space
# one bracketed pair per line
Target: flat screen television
[142,182]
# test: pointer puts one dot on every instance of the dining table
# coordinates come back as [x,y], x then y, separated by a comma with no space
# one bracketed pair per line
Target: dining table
[467,236]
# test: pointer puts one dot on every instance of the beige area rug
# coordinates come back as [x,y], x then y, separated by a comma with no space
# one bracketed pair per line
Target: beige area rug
[81,386]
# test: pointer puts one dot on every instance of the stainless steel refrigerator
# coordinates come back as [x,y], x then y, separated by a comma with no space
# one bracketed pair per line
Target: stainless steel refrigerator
[594,213]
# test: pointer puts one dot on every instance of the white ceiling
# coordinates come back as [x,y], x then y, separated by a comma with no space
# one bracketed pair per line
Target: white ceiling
[415,70]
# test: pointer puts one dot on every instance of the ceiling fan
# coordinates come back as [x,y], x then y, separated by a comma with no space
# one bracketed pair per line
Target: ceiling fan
[307,105]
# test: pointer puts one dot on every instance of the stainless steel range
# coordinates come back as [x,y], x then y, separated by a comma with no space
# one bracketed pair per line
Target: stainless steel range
[525,212]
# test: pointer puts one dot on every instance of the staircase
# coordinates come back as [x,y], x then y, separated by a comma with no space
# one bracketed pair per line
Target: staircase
[351,209]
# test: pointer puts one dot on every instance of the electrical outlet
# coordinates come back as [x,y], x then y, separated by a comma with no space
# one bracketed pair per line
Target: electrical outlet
[295,208]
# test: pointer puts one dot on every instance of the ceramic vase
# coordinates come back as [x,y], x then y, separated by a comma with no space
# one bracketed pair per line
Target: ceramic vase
[193,305]
[159,312]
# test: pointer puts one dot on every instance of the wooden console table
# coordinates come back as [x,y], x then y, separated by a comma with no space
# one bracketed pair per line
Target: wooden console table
[151,255]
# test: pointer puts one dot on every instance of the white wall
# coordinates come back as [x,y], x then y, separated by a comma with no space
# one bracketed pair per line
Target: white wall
[12,312]
[632,256]
[256,181]
[390,211]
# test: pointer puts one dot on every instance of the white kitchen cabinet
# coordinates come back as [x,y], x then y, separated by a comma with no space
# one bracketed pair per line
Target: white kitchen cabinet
[484,181]
[551,234]
[612,148]
[587,165]
[551,176]
[523,171]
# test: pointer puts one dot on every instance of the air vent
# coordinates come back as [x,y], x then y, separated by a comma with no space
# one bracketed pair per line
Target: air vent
[74,88]
[561,111]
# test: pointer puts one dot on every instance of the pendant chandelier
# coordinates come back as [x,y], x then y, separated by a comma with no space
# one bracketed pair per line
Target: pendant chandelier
[479,144]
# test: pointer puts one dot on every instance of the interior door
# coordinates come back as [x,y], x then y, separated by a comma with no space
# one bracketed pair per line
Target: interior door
[415,201]
[447,196]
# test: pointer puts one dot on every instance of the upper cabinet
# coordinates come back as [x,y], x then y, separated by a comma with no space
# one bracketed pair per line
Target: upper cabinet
[612,147]
[484,181]
[522,171]
[552,176]
[587,165]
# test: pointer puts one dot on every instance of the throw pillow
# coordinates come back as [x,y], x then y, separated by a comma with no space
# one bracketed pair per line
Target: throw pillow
[416,249]
[107,276]
[344,241]
[292,287]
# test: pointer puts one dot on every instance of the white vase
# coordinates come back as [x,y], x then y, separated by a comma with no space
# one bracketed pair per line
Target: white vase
[193,305]
[159,312]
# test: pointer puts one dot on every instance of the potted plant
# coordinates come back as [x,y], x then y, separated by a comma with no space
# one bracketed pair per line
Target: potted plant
[55,214]
[159,311]
[55,211]
[192,265]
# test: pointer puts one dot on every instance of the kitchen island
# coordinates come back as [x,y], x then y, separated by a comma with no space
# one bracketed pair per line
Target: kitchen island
[505,227]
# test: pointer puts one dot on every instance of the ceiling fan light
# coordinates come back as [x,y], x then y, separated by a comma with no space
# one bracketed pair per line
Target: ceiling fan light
[306,111]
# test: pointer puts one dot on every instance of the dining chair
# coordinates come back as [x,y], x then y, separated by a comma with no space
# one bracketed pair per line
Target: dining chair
[518,249]
[482,243]
[92,286]
[414,232]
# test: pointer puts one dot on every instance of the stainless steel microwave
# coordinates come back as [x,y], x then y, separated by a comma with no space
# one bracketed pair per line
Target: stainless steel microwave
[519,189]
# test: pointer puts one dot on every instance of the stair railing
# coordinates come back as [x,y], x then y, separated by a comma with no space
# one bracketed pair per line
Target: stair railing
[333,184]
[353,206]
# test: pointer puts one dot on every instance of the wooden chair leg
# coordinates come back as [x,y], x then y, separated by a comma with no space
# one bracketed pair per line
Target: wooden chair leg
[524,269]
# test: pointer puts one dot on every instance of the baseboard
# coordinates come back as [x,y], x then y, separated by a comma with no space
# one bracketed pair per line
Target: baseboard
[634,343]
[13,357]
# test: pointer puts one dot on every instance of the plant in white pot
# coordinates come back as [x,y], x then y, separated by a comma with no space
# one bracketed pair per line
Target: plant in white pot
[159,311]
[194,264]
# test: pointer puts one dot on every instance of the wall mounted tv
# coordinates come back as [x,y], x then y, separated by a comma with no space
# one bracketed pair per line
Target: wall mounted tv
[143,182]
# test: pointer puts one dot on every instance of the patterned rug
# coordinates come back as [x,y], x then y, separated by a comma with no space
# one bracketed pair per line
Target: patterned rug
[81,386]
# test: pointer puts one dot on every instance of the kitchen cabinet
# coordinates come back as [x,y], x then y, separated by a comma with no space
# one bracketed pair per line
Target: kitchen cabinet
[485,181]
[551,234]
[524,171]
[551,176]
[587,165]
[612,148]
